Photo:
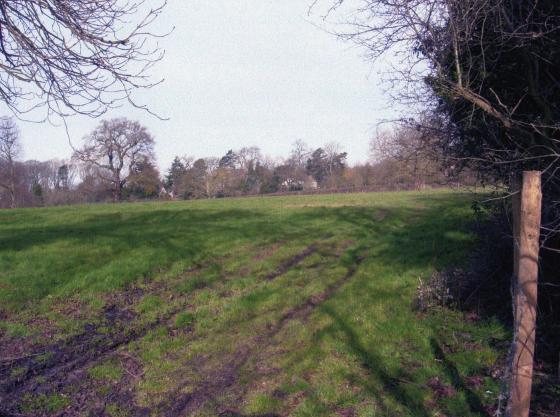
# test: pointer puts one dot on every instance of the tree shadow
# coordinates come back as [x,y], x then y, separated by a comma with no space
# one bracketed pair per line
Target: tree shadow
[394,383]
[174,233]
[473,400]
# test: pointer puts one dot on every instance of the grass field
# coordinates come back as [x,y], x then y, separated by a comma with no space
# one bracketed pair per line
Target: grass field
[281,306]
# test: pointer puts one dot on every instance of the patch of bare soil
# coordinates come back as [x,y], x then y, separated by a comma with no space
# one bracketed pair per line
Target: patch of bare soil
[64,364]
[440,388]
[346,412]
[29,369]
[61,368]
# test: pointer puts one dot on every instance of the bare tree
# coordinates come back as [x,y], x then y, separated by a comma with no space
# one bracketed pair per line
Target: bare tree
[335,161]
[296,164]
[249,162]
[415,153]
[300,152]
[211,178]
[10,149]
[487,67]
[248,156]
[114,147]
[75,56]
[92,185]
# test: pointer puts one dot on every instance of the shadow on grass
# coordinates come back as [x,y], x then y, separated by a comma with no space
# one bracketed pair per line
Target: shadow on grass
[134,244]
[43,259]
[393,383]
[473,400]
[398,384]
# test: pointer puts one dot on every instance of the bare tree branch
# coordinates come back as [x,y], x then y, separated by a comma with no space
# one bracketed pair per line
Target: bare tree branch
[76,56]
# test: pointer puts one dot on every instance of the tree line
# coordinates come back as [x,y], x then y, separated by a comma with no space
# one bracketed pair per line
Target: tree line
[116,162]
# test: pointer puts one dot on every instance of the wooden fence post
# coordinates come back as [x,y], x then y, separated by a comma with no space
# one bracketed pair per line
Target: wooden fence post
[527,223]
[517,185]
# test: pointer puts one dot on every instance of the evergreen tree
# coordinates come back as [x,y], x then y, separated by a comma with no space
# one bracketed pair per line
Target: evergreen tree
[144,180]
[228,160]
[174,175]
[318,165]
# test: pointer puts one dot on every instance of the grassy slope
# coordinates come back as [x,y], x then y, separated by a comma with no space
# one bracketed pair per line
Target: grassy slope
[290,305]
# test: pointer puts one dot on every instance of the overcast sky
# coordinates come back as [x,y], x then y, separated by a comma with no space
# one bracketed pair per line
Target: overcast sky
[242,73]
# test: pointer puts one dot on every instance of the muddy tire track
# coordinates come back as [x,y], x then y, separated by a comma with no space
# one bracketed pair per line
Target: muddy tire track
[225,380]
[66,362]
[54,366]
[303,311]
[51,363]
[293,261]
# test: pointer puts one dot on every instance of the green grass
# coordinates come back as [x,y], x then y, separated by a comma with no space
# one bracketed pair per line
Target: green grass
[44,403]
[335,331]
[106,372]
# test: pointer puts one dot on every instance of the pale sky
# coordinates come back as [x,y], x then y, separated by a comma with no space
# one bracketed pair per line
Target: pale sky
[243,73]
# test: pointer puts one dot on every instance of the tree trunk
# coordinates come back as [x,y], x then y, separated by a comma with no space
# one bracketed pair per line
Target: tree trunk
[117,192]
[517,185]
[527,222]
[13,202]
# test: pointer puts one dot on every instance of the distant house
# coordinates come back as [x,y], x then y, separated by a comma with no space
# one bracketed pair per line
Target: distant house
[293,184]
[310,183]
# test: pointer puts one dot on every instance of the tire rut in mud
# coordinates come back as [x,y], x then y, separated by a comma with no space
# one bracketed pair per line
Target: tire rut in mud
[49,372]
[51,368]
[293,261]
[218,382]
